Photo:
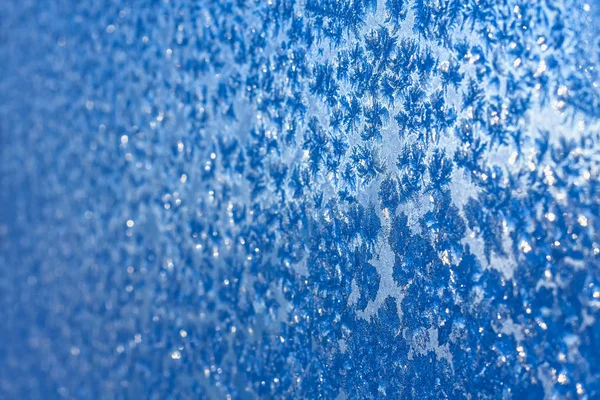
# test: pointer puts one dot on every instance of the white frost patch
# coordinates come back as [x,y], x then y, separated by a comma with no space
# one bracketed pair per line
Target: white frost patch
[547,377]
[509,327]
[354,294]
[462,190]
[384,264]
[422,341]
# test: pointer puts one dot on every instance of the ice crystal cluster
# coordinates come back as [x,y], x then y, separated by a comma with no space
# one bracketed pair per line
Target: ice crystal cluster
[320,199]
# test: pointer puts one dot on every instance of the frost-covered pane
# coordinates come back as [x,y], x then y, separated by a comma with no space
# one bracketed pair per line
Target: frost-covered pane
[333,199]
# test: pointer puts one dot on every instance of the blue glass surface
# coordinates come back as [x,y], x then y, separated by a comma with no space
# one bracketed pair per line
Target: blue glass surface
[335,199]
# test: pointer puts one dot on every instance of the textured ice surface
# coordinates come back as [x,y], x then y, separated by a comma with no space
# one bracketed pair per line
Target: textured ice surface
[299,199]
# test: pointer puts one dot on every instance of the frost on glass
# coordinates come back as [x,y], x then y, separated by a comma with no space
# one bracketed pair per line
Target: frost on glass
[299,199]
